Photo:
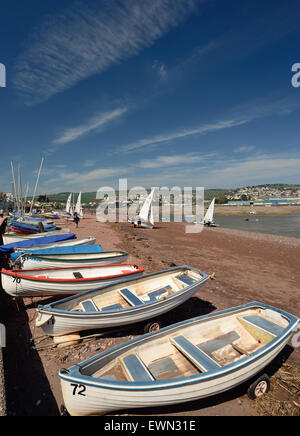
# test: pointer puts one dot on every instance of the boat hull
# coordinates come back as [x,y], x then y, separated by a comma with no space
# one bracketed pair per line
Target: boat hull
[66,243]
[11,238]
[100,400]
[21,284]
[103,396]
[68,322]
[39,263]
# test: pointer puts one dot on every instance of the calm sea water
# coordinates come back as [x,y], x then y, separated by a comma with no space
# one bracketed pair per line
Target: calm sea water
[276,225]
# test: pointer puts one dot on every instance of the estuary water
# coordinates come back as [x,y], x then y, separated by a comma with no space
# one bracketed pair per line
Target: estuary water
[288,225]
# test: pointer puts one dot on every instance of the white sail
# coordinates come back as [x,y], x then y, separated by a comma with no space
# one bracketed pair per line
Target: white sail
[68,205]
[144,212]
[151,219]
[78,208]
[209,216]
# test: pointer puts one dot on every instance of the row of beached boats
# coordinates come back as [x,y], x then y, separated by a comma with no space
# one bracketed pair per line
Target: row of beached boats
[189,360]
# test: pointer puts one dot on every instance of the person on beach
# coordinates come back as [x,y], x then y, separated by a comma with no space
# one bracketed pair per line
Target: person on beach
[3,226]
[76,218]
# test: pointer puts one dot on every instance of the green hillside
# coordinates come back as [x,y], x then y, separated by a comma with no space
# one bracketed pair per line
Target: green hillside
[88,197]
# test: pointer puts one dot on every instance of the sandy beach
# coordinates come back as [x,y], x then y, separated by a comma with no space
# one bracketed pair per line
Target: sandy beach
[247,266]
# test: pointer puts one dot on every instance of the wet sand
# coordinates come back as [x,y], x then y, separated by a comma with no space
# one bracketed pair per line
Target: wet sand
[274,210]
[248,267]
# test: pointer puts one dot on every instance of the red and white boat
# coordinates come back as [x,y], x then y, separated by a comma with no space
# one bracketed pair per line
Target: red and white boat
[54,281]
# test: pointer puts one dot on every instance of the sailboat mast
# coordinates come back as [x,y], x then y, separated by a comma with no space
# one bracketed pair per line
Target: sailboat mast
[36,184]
[14,184]
[26,194]
[20,190]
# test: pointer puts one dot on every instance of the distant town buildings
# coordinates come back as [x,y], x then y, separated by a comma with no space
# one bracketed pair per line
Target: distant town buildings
[268,194]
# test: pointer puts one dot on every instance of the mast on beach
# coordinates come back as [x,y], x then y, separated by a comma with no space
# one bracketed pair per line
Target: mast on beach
[15,186]
[36,185]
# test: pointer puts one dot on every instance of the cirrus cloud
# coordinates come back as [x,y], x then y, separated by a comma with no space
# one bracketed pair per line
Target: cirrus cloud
[86,40]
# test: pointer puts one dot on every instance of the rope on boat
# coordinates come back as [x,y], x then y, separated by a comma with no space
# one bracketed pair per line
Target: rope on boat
[44,347]
[19,258]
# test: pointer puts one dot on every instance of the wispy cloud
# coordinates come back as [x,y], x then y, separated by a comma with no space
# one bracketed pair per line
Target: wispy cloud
[208,170]
[86,40]
[261,169]
[172,160]
[221,172]
[160,69]
[96,122]
[200,130]
[84,180]
[236,116]
[244,149]
[88,163]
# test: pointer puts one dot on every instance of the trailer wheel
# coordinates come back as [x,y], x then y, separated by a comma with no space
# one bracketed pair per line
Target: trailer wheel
[152,326]
[259,387]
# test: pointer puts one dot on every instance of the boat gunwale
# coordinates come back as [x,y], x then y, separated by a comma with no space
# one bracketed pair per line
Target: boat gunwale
[41,256]
[48,309]
[18,273]
[65,242]
[75,375]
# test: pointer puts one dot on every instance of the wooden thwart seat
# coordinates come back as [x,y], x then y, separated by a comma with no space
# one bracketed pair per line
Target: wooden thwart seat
[113,307]
[187,280]
[154,294]
[131,299]
[135,369]
[200,359]
[264,324]
[218,343]
[89,306]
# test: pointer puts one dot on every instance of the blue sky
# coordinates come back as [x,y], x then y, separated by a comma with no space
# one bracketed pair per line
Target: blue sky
[161,92]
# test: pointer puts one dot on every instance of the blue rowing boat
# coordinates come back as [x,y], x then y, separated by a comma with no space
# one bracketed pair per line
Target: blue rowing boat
[9,248]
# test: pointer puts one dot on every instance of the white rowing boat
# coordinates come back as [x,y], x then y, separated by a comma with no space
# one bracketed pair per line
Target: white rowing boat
[45,261]
[40,282]
[187,361]
[129,302]
[88,240]
[9,238]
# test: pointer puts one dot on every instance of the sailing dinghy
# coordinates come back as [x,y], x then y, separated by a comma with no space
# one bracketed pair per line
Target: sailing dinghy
[40,282]
[78,207]
[145,218]
[127,302]
[187,361]
[208,219]
[67,213]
